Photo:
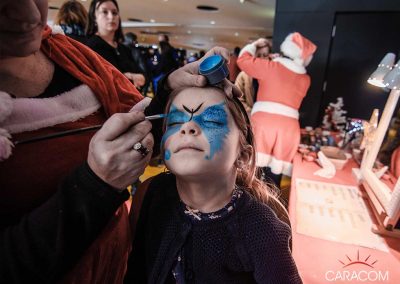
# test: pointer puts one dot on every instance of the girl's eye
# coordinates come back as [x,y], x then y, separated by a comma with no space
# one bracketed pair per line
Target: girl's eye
[115,13]
[213,122]
[174,123]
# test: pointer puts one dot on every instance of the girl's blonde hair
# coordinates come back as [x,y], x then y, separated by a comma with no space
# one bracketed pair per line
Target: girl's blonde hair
[248,177]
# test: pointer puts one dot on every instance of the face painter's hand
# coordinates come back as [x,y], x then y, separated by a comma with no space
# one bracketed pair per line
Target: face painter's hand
[111,155]
[188,75]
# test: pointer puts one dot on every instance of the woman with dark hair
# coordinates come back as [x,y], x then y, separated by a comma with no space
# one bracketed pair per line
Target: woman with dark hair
[72,17]
[106,37]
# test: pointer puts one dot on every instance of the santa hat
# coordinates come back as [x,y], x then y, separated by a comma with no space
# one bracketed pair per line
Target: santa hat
[298,48]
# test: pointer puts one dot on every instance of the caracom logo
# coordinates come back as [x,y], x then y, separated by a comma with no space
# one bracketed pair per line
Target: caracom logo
[357,269]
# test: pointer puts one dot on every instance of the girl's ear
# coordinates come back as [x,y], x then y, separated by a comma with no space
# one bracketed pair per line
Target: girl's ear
[245,156]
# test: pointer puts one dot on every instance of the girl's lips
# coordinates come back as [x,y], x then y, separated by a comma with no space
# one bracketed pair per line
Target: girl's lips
[188,147]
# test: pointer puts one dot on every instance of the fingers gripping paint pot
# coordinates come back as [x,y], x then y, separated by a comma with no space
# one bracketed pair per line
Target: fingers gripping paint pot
[214,69]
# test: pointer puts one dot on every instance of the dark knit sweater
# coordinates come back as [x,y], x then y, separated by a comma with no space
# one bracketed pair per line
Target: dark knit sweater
[248,245]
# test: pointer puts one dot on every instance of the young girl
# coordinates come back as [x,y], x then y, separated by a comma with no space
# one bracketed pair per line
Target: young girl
[209,219]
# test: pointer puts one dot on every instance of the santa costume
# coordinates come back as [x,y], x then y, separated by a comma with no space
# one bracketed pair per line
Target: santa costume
[283,83]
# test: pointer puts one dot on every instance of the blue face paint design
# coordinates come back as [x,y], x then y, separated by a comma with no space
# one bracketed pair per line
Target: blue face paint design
[175,120]
[167,154]
[213,122]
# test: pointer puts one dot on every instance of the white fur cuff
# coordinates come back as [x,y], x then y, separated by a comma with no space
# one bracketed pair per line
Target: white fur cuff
[6,106]
[250,48]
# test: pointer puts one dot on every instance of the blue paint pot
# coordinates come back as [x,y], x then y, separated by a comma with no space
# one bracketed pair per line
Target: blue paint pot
[214,69]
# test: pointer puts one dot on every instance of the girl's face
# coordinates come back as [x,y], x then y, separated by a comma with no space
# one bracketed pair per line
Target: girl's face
[107,17]
[201,138]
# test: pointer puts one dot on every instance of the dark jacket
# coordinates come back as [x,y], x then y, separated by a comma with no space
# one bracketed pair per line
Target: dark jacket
[47,242]
[120,57]
[249,245]
[168,59]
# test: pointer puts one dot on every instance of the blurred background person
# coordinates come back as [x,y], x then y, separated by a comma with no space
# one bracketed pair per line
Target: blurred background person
[192,58]
[105,36]
[72,17]
[168,60]
[139,58]
[247,84]
[233,66]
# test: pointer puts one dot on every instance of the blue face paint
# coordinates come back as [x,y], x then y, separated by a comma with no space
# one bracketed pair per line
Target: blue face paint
[167,154]
[213,122]
[175,120]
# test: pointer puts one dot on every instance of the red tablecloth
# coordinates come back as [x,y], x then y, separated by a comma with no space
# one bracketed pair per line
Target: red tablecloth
[318,260]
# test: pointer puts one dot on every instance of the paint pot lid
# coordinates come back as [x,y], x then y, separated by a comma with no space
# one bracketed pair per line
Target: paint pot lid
[211,64]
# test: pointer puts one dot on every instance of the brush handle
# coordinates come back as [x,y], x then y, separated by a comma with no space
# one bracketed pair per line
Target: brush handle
[76,131]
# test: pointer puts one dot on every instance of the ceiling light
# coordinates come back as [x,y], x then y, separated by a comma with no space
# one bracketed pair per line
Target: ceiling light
[212,22]
[236,34]
[189,31]
[242,1]
[152,21]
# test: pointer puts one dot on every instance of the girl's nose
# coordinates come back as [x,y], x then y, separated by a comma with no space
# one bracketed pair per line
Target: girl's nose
[190,128]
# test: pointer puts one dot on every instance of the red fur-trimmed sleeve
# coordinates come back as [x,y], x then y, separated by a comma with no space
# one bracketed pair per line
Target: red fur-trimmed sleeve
[253,66]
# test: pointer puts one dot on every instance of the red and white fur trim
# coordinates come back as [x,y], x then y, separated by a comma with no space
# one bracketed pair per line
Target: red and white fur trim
[56,29]
[250,48]
[6,107]
[27,114]
[276,108]
[32,113]
[277,166]
[293,51]
[292,65]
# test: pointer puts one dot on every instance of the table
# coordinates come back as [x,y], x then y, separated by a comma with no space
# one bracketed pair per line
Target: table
[318,260]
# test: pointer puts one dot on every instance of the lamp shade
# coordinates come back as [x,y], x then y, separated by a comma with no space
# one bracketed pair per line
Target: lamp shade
[384,67]
[392,79]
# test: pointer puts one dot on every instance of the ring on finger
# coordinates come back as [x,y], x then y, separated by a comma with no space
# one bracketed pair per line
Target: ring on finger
[141,149]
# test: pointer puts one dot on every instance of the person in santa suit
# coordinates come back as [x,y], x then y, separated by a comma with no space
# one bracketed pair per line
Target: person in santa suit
[283,83]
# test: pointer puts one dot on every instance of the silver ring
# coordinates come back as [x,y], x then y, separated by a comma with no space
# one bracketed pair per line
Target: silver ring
[141,149]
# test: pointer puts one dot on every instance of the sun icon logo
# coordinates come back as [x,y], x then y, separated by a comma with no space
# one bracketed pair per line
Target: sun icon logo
[350,262]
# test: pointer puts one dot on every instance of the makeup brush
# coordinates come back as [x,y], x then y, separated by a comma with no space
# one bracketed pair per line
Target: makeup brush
[76,131]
